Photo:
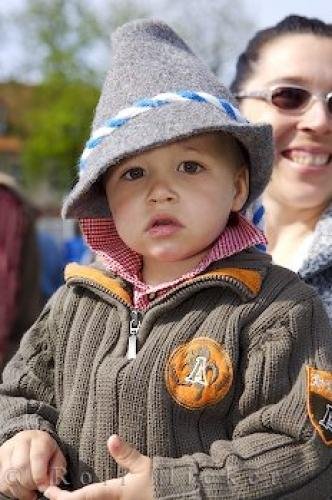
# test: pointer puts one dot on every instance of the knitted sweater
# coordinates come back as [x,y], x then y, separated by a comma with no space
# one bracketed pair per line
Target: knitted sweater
[228,366]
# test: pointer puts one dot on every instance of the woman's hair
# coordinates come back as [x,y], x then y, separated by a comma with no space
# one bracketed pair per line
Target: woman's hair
[289,25]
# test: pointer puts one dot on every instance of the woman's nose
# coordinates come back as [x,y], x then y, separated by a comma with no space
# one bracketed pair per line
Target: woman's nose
[316,119]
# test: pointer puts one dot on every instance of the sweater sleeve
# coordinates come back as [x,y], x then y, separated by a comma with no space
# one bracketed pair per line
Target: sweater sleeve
[26,392]
[275,450]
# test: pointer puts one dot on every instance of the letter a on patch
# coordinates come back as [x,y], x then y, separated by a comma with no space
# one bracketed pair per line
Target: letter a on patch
[319,385]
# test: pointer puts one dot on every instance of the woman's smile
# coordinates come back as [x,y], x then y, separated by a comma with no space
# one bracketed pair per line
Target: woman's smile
[308,160]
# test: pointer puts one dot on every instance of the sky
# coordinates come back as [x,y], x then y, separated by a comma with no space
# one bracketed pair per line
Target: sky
[263,13]
[269,12]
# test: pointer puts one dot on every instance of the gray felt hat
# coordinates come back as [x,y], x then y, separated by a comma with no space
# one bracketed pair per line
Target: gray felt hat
[158,91]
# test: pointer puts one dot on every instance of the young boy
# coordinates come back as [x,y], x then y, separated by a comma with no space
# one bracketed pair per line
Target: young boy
[209,367]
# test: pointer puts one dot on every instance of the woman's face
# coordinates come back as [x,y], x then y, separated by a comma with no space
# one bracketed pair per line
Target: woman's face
[302,175]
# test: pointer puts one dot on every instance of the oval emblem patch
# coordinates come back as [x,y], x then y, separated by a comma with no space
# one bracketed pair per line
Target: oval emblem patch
[319,387]
[198,373]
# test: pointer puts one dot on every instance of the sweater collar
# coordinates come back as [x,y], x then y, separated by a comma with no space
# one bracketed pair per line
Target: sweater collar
[247,281]
[101,235]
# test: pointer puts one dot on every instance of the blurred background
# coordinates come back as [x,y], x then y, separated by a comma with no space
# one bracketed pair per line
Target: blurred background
[53,58]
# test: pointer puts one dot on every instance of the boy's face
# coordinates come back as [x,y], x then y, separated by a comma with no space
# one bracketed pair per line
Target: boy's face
[171,203]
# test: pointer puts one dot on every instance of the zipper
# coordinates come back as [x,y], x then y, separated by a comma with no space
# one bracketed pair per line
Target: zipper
[134,326]
[136,318]
[136,315]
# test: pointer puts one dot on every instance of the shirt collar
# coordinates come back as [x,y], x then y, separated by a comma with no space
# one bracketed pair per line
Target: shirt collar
[102,237]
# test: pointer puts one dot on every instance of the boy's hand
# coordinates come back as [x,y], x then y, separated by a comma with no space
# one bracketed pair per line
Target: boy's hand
[29,460]
[135,485]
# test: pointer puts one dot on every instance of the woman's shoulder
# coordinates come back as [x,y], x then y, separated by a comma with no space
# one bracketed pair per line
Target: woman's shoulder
[323,230]
[319,258]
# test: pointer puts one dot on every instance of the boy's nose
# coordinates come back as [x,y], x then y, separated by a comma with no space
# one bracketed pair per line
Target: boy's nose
[161,192]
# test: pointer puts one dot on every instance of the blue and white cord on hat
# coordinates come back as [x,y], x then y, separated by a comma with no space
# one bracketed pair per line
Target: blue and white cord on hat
[256,214]
[144,105]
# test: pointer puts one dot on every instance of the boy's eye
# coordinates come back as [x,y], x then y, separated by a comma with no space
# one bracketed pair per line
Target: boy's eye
[133,173]
[189,167]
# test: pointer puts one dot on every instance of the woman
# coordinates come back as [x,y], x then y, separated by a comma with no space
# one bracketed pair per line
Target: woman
[284,77]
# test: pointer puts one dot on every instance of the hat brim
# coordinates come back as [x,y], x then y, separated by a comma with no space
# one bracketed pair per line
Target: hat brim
[158,127]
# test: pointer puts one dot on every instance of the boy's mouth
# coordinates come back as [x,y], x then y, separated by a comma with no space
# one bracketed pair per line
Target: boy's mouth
[163,226]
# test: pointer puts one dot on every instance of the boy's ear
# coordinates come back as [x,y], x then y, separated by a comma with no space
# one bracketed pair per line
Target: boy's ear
[241,185]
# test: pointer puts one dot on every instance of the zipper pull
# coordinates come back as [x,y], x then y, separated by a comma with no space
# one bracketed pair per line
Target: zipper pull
[134,327]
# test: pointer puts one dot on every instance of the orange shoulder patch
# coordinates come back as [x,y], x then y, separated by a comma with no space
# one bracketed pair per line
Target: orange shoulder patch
[78,271]
[199,373]
[319,385]
[248,277]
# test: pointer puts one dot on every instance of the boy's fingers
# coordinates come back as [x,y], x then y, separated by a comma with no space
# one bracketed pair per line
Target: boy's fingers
[57,468]
[19,472]
[47,465]
[54,493]
[38,466]
[12,487]
[92,492]
[126,455]
[20,492]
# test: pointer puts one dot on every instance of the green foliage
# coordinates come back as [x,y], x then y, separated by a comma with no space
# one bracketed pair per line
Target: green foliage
[62,40]
[58,33]
[62,34]
[58,124]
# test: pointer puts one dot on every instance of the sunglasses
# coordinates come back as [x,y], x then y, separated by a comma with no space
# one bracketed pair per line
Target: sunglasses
[291,99]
